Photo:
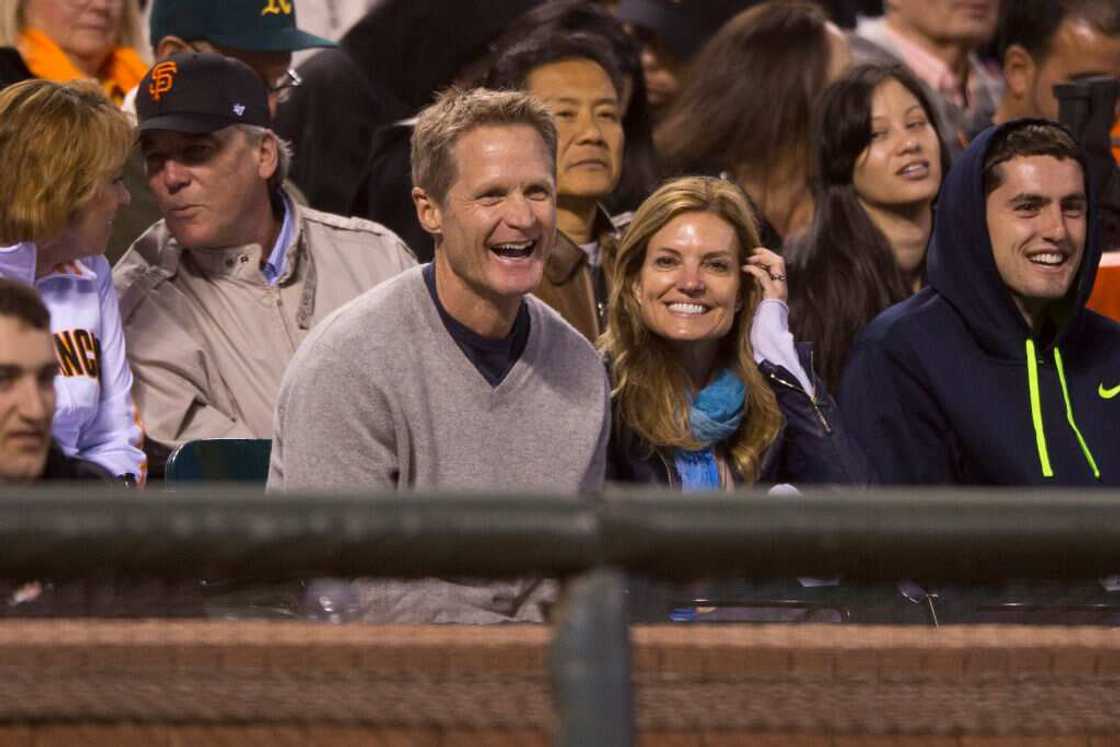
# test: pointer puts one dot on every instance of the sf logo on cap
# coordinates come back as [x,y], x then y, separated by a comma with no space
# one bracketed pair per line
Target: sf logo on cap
[163,78]
[278,7]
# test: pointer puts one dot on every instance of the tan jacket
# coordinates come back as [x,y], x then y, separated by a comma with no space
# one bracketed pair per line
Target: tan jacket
[207,337]
[572,286]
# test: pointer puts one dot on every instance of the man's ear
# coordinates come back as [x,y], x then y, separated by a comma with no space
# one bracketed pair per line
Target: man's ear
[269,154]
[170,45]
[1019,70]
[427,212]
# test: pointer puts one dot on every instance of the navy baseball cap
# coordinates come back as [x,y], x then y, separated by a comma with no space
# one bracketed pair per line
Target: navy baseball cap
[197,93]
[252,25]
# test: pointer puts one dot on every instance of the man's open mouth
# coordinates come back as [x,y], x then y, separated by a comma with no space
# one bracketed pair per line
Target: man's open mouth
[1049,259]
[515,250]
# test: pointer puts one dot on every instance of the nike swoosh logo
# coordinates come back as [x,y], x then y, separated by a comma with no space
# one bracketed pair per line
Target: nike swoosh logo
[1108,393]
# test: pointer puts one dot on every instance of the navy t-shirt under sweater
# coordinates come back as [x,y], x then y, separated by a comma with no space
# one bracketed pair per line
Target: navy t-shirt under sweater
[493,358]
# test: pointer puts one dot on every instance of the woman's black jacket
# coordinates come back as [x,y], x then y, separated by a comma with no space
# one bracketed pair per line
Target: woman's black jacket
[811,447]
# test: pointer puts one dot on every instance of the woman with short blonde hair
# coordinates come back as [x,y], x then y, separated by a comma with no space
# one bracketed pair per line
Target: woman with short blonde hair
[709,391]
[63,40]
[70,140]
[63,147]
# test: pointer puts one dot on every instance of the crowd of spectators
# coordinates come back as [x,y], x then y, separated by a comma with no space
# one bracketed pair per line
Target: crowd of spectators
[538,245]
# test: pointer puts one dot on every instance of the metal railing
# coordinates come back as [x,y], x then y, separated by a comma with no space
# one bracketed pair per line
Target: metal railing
[219,531]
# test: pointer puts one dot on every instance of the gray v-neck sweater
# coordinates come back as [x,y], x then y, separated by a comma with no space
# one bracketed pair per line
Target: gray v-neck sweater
[379,397]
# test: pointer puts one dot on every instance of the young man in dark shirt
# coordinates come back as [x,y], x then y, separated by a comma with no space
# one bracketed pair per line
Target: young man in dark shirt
[27,397]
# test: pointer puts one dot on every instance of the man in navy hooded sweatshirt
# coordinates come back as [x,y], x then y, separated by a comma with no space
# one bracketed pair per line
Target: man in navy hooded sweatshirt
[996,373]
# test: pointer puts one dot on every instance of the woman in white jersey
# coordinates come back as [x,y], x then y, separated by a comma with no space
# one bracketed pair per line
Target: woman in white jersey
[62,147]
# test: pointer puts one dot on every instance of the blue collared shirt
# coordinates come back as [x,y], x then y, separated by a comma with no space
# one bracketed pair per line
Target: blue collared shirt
[274,265]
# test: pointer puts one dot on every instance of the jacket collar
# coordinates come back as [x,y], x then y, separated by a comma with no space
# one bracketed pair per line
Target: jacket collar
[567,256]
[241,262]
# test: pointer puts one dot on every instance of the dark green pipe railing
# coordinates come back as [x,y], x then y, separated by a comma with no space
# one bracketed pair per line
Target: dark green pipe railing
[228,532]
[868,535]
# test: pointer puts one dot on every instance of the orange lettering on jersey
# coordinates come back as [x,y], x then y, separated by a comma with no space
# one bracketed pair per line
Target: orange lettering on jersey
[67,354]
[78,352]
[90,353]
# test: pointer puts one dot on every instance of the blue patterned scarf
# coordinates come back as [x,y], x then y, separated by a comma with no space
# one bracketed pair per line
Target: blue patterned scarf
[713,417]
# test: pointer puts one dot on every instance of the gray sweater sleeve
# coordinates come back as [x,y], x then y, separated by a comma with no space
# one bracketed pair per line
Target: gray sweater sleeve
[596,471]
[335,429]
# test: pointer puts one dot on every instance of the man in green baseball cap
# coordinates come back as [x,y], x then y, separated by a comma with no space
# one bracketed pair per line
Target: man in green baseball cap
[260,33]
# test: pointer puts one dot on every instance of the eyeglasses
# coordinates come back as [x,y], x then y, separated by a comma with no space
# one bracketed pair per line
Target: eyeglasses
[283,86]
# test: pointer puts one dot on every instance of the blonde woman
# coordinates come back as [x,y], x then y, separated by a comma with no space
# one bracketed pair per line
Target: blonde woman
[65,40]
[63,147]
[709,390]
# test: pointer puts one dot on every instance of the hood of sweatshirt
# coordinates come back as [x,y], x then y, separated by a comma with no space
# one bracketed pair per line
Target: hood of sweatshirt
[961,267]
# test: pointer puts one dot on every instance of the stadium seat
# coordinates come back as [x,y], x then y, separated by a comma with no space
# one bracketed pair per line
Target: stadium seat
[220,459]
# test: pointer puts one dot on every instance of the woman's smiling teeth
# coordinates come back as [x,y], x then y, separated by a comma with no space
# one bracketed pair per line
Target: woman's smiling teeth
[514,249]
[917,170]
[687,309]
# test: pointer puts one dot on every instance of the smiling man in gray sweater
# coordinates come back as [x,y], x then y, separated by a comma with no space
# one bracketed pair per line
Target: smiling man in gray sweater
[450,376]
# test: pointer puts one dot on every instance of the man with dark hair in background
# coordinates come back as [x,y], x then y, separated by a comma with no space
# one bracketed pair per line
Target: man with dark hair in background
[938,41]
[996,373]
[27,397]
[575,76]
[1046,42]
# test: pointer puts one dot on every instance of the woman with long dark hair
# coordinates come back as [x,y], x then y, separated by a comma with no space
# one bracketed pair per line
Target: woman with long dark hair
[879,162]
[747,106]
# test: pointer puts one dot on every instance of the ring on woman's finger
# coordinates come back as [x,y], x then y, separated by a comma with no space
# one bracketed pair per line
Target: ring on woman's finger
[777,277]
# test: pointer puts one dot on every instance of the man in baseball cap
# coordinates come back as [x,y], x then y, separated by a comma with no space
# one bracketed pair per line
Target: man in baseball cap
[217,294]
[200,93]
[260,33]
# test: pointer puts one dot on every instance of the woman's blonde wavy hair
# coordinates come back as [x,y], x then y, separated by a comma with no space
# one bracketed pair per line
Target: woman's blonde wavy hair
[130,33]
[58,144]
[651,391]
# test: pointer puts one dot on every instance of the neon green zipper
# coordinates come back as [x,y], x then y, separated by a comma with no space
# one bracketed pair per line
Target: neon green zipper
[1069,416]
[1036,413]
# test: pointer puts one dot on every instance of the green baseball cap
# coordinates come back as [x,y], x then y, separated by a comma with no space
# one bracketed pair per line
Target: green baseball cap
[252,25]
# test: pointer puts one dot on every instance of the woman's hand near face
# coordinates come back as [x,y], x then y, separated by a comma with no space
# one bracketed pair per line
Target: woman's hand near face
[770,271]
